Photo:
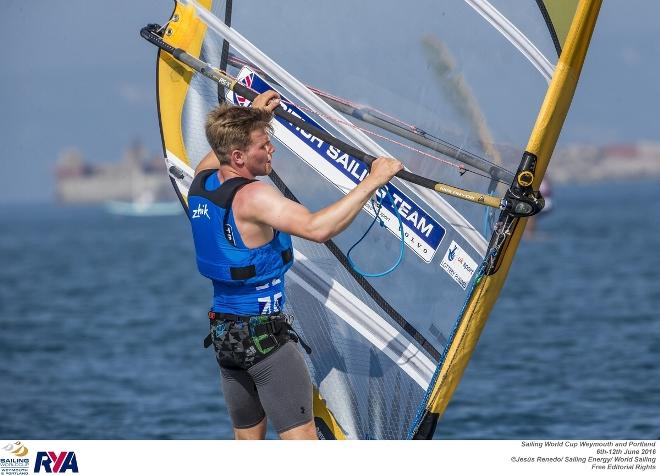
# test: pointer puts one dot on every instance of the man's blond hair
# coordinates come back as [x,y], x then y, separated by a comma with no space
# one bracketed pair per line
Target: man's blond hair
[229,127]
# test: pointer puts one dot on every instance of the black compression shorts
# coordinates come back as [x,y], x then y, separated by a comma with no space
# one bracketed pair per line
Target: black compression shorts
[278,387]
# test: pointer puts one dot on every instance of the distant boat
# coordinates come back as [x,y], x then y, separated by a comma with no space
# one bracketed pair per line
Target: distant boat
[144,205]
[129,208]
[123,181]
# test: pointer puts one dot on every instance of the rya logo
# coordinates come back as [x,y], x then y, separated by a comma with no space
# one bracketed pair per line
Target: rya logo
[201,211]
[56,463]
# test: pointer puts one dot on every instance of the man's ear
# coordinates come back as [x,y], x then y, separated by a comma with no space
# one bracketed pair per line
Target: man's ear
[237,157]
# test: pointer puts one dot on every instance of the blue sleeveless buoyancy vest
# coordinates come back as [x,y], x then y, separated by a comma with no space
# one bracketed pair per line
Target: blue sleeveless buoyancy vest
[245,281]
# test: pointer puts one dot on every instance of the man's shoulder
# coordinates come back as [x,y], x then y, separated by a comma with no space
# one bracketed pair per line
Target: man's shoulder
[255,194]
[258,190]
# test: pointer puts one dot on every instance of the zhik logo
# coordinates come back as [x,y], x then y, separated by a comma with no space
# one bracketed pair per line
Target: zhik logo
[54,463]
[201,211]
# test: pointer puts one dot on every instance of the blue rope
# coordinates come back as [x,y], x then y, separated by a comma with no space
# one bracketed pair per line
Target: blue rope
[379,200]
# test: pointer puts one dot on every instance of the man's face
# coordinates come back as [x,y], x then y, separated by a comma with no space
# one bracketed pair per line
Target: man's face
[259,153]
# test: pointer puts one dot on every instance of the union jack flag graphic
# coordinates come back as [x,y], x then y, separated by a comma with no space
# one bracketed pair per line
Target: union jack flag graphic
[246,81]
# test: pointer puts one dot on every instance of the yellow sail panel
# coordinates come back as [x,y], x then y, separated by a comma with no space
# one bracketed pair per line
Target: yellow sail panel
[325,420]
[541,143]
[184,30]
[560,14]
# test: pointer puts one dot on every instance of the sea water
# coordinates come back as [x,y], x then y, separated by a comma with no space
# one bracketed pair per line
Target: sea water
[102,320]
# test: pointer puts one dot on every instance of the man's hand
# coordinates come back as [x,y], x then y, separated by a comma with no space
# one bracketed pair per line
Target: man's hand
[268,100]
[383,169]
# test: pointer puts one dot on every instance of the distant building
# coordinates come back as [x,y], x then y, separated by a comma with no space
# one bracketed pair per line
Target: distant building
[588,163]
[136,175]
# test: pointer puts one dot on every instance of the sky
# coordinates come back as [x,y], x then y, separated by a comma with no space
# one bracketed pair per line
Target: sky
[77,74]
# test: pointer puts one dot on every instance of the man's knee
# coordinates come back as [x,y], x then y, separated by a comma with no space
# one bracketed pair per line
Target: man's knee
[257,432]
[305,431]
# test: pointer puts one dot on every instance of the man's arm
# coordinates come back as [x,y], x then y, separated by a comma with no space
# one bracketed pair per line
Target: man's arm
[209,162]
[262,204]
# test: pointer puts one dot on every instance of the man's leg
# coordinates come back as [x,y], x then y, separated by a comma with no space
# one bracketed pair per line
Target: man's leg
[247,415]
[304,432]
[257,432]
[285,392]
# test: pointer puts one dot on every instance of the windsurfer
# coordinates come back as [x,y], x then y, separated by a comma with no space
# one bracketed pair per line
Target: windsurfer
[241,228]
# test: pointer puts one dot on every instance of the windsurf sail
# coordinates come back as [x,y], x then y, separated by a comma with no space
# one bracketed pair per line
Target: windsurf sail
[452,90]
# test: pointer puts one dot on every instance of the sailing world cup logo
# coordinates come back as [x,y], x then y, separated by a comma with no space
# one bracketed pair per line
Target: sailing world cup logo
[14,461]
[17,449]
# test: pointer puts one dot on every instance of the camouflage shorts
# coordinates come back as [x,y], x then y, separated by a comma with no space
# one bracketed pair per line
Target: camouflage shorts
[243,344]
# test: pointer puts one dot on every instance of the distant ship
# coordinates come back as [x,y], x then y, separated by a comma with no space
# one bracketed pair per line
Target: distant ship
[144,205]
[137,185]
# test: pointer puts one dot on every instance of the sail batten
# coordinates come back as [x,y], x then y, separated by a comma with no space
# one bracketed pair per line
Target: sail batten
[515,36]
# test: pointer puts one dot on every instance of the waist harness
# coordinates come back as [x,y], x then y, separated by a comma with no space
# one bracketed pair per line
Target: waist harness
[243,341]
